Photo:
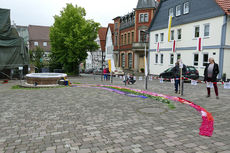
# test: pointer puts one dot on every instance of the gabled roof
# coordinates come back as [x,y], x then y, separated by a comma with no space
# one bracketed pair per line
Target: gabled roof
[142,4]
[39,32]
[102,36]
[111,27]
[102,33]
[225,5]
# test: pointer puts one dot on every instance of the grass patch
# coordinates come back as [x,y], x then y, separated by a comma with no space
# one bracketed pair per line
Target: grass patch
[157,98]
[76,83]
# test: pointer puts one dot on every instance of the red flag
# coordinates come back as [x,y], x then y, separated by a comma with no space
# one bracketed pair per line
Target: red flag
[158,47]
[174,46]
[199,44]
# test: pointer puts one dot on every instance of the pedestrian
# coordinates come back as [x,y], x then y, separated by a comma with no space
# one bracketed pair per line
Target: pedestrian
[176,74]
[105,73]
[108,74]
[210,76]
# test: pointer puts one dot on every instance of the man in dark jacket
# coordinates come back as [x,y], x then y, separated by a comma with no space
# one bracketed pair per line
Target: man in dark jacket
[176,73]
[210,76]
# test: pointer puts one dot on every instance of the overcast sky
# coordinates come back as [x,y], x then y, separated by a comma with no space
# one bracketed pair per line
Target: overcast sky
[41,12]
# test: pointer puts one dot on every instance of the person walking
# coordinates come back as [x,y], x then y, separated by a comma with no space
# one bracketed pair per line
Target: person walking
[105,74]
[210,76]
[176,73]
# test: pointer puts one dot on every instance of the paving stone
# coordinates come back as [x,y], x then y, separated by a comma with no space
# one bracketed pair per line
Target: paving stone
[93,120]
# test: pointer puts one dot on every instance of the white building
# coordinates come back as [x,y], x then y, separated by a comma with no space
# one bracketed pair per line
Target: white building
[94,59]
[192,19]
[109,47]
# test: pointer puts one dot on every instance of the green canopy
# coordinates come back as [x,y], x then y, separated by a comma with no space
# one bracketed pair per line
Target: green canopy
[13,52]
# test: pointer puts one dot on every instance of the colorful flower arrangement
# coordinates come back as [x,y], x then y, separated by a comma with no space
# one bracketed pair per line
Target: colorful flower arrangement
[206,128]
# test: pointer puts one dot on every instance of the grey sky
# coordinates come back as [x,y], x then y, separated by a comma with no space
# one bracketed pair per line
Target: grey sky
[41,12]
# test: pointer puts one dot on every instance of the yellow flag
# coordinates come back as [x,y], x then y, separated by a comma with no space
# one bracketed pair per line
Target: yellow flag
[109,63]
[169,28]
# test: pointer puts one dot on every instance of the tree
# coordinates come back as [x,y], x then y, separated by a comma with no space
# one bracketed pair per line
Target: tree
[37,57]
[71,37]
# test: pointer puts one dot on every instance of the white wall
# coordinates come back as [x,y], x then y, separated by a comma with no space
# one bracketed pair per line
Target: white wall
[228,32]
[187,40]
[226,68]
[186,56]
[94,60]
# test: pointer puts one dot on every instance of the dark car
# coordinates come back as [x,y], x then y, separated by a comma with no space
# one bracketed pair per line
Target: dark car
[89,71]
[97,71]
[191,73]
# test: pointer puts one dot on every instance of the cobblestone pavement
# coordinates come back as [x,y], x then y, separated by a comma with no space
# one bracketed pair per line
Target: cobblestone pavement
[86,120]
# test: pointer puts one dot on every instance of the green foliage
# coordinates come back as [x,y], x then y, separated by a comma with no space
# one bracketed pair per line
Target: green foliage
[71,37]
[37,57]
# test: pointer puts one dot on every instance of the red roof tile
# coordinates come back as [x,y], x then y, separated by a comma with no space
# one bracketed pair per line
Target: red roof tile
[39,32]
[102,36]
[225,5]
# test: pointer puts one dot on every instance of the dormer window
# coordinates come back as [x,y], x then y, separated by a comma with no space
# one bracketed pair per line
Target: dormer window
[171,12]
[144,17]
[186,8]
[178,10]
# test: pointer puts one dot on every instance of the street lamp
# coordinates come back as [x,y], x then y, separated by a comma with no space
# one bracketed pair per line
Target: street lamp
[146,64]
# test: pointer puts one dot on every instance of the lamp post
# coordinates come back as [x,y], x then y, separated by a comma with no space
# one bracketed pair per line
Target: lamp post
[102,60]
[146,62]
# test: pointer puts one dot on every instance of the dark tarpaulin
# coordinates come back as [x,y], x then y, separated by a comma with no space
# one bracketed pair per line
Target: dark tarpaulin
[13,52]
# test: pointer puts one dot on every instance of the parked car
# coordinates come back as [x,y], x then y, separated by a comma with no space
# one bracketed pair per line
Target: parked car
[97,71]
[191,73]
[119,71]
[89,71]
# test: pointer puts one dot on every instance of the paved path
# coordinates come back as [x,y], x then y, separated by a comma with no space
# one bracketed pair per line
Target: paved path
[94,120]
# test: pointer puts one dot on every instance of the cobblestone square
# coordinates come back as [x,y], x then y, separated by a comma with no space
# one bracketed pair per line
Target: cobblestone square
[86,120]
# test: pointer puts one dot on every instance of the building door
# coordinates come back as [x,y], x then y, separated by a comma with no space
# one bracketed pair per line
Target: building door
[141,62]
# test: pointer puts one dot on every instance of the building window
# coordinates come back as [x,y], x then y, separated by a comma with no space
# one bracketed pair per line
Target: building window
[171,59]
[162,58]
[156,37]
[115,40]
[178,56]
[179,34]
[196,59]
[130,60]
[186,8]
[141,18]
[162,37]
[205,59]
[171,12]
[123,60]
[122,39]
[206,30]
[35,43]
[116,25]
[143,36]
[125,40]
[132,36]
[144,17]
[128,38]
[178,10]
[197,31]
[172,35]
[44,44]
[156,58]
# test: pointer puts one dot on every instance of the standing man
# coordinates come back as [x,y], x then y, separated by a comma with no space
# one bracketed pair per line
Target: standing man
[210,76]
[176,73]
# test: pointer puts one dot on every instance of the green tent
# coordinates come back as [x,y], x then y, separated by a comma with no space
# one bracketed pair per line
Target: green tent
[13,52]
